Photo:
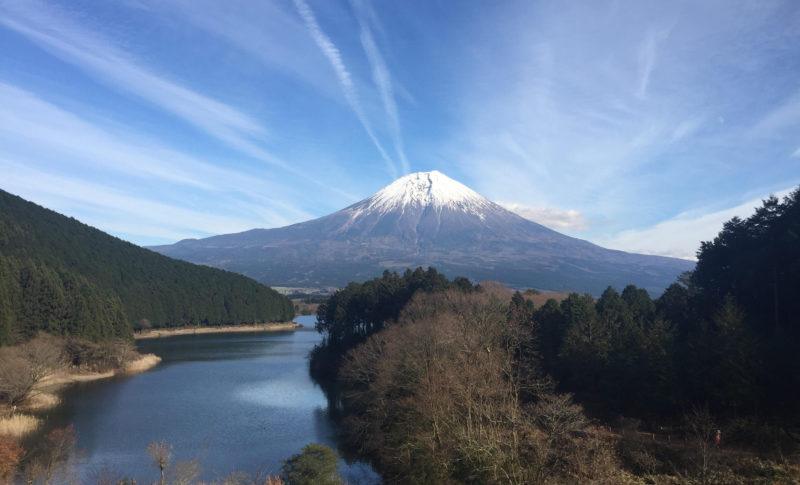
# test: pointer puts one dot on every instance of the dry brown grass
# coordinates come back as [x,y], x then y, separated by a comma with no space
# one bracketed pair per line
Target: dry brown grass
[142,364]
[58,381]
[43,396]
[42,400]
[18,425]
[260,327]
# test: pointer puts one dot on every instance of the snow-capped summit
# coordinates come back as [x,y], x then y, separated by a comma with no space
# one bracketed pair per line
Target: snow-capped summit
[423,189]
[421,207]
[426,219]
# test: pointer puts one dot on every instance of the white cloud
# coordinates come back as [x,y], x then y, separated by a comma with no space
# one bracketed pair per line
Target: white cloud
[55,32]
[334,56]
[27,118]
[33,129]
[47,27]
[549,216]
[382,79]
[266,31]
[680,236]
[619,121]
[647,59]
[108,208]
[686,128]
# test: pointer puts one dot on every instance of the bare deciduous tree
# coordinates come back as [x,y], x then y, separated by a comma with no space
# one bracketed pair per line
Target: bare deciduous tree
[184,472]
[436,398]
[16,377]
[160,454]
[45,354]
[22,366]
[700,433]
[558,416]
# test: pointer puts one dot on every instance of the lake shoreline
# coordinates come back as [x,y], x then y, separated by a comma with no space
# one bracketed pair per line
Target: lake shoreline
[45,394]
[259,327]
[56,382]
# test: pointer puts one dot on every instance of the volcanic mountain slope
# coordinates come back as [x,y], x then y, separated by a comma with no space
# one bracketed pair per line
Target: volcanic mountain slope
[426,219]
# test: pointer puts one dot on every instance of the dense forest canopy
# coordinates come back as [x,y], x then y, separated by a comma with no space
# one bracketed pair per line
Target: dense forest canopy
[757,261]
[443,382]
[359,310]
[66,278]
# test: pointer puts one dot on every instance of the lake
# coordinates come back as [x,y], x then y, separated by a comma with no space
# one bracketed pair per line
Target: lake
[236,402]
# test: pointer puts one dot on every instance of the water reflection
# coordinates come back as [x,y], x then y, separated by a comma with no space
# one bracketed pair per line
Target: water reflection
[237,402]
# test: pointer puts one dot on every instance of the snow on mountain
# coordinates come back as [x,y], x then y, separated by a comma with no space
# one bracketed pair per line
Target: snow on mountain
[425,189]
[427,219]
[424,207]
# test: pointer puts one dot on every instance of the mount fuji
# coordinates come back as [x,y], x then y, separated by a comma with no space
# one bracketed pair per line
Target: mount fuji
[427,219]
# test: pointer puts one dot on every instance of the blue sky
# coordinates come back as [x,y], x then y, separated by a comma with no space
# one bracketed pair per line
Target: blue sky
[636,125]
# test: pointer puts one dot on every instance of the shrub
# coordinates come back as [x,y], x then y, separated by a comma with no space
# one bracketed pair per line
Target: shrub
[316,465]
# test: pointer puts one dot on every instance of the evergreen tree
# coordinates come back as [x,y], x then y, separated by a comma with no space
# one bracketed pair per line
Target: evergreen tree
[586,343]
[63,277]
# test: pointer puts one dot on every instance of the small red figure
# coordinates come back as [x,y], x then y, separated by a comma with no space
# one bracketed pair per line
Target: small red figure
[719,437]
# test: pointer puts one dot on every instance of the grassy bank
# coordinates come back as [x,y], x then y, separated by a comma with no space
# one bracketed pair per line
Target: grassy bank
[33,373]
[258,327]
[58,381]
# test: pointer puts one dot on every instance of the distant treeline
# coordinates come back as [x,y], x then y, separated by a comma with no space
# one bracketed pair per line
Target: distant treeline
[461,384]
[66,278]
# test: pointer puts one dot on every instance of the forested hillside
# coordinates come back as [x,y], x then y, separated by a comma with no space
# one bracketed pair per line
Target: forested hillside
[66,278]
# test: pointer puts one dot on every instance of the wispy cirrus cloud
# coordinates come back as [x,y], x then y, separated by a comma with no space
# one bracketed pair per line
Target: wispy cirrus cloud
[383,81]
[34,129]
[786,114]
[53,30]
[269,32]
[115,210]
[334,56]
[648,53]
[647,108]
[686,128]
[645,112]
[29,120]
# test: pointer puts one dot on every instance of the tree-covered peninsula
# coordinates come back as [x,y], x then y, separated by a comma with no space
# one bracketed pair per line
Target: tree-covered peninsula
[64,277]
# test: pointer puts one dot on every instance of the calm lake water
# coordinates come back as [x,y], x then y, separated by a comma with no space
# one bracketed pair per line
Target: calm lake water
[236,402]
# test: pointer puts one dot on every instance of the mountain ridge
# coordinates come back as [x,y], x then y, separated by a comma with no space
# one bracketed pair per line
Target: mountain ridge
[426,219]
